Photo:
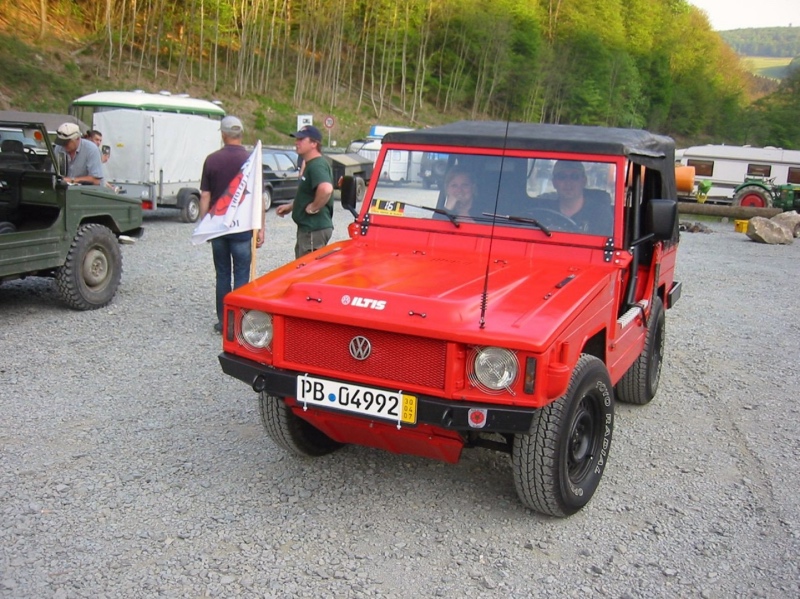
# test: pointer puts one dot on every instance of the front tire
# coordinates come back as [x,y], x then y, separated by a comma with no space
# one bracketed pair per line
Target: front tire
[293,434]
[92,271]
[558,465]
[640,384]
[267,198]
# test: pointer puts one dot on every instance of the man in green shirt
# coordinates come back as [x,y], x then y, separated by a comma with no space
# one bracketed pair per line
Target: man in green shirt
[312,209]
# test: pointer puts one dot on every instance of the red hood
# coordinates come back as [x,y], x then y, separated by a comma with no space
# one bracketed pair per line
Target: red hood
[434,293]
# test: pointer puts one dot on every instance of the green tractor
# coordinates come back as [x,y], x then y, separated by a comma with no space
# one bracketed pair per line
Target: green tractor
[758,193]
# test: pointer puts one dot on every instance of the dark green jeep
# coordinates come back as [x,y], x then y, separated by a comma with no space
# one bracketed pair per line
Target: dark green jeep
[51,229]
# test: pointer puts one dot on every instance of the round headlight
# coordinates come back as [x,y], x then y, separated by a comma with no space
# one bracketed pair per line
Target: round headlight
[257,329]
[495,368]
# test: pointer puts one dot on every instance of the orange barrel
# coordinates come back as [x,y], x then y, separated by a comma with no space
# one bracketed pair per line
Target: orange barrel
[684,178]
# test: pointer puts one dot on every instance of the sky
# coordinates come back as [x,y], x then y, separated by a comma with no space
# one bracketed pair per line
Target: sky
[743,14]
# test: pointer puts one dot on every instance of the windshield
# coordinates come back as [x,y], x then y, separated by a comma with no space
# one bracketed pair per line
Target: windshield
[555,195]
[23,148]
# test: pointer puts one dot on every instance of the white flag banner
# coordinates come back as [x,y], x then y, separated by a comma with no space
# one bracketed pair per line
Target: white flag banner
[239,208]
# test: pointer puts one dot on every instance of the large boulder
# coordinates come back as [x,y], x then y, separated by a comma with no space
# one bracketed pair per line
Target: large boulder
[790,220]
[765,230]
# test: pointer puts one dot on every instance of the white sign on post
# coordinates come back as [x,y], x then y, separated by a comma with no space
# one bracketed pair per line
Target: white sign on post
[303,120]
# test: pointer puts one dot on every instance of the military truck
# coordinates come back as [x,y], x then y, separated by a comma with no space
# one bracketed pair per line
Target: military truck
[513,322]
[48,228]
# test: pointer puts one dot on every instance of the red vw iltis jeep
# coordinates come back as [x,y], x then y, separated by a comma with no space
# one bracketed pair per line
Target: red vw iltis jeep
[507,307]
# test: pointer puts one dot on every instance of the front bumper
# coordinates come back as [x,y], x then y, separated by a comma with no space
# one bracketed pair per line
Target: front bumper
[434,411]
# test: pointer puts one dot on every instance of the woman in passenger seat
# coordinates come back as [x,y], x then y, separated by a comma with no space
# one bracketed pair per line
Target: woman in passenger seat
[460,190]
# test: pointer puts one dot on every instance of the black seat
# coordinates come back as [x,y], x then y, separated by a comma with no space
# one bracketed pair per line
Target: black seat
[13,146]
[12,154]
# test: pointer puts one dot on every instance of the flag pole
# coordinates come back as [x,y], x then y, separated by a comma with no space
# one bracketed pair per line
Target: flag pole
[260,203]
[253,242]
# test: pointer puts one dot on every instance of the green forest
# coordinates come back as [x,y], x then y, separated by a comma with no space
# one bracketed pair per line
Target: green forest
[654,64]
[782,42]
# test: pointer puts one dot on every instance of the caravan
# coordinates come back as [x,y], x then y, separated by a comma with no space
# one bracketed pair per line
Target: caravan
[727,167]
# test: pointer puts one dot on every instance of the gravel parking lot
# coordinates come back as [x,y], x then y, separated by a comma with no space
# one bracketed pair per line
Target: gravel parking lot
[130,466]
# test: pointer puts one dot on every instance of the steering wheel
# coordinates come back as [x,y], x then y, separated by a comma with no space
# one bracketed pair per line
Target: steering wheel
[29,151]
[553,219]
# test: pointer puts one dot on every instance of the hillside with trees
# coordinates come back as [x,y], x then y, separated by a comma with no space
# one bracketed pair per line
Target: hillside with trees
[778,42]
[654,64]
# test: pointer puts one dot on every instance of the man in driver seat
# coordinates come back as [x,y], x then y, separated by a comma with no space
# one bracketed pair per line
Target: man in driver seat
[589,209]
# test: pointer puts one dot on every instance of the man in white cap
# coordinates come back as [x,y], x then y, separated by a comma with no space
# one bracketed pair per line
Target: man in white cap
[83,157]
[232,253]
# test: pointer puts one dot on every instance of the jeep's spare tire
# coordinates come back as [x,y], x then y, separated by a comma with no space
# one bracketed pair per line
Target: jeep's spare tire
[92,271]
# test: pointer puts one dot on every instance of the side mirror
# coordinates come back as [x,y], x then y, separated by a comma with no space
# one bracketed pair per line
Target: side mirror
[660,218]
[348,190]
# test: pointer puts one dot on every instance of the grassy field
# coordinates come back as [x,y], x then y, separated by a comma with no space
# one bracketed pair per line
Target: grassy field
[767,66]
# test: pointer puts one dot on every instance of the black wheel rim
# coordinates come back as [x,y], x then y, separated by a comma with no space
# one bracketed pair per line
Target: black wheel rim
[584,440]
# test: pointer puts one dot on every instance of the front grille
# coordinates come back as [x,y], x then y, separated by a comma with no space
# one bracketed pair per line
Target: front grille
[397,358]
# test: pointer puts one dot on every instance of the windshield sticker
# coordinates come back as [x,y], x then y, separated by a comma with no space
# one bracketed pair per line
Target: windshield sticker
[387,207]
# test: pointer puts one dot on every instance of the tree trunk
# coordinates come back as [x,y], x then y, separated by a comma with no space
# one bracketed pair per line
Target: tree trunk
[42,18]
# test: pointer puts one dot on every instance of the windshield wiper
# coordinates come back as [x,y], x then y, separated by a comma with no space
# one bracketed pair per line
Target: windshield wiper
[441,211]
[520,219]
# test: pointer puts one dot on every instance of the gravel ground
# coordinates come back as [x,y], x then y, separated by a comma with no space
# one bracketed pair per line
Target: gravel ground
[132,467]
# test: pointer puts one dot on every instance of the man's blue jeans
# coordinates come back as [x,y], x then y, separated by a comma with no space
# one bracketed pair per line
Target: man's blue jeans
[232,257]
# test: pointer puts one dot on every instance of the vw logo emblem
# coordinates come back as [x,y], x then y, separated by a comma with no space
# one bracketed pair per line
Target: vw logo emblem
[360,348]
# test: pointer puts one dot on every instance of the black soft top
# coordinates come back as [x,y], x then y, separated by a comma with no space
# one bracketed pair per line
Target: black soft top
[641,146]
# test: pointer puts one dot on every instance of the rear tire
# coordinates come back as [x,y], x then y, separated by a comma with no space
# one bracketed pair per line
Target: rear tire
[558,465]
[293,434]
[752,196]
[92,270]
[640,384]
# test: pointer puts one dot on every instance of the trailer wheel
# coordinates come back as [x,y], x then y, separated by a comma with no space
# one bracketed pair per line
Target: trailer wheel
[91,273]
[639,385]
[361,189]
[191,209]
[293,434]
[558,465]
[752,196]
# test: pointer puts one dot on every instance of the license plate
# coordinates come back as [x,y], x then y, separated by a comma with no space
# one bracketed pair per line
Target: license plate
[367,401]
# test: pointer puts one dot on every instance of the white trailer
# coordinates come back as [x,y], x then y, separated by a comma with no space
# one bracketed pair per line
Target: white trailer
[727,167]
[158,144]
[396,167]
[158,156]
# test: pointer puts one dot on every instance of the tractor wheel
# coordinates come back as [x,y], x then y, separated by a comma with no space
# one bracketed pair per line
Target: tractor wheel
[752,196]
